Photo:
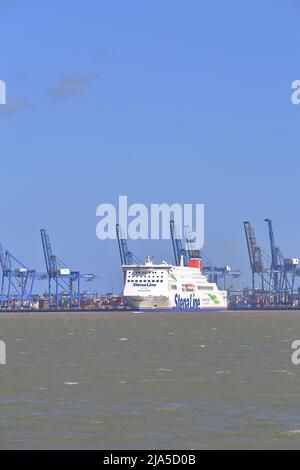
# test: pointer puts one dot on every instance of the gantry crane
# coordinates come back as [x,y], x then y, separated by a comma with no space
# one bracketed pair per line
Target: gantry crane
[17,282]
[67,282]
[283,271]
[258,269]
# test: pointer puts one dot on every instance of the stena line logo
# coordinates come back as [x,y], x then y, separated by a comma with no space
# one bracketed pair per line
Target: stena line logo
[187,303]
[149,284]
[2,92]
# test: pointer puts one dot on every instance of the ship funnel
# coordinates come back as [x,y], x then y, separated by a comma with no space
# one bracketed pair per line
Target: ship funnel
[196,263]
[181,260]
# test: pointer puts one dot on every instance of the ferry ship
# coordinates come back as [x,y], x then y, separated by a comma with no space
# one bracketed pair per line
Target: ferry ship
[163,287]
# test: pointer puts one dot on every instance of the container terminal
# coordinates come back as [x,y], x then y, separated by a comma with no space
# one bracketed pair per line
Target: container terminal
[273,277]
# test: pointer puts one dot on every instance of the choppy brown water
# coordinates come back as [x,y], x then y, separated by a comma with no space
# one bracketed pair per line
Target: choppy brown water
[133,381]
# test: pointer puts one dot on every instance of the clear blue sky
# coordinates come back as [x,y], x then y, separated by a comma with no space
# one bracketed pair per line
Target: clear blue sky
[165,101]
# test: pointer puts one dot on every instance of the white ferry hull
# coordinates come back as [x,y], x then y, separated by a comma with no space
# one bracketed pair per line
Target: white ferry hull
[164,304]
[148,303]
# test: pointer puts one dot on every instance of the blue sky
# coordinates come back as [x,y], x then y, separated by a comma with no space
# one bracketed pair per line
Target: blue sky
[167,101]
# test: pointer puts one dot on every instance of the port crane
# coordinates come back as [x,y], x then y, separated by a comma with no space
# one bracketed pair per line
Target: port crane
[66,282]
[219,275]
[214,274]
[275,259]
[16,283]
[255,257]
[257,260]
[283,271]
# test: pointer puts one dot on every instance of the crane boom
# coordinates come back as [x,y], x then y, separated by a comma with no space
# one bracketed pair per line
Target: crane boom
[125,255]
[255,253]
[275,266]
